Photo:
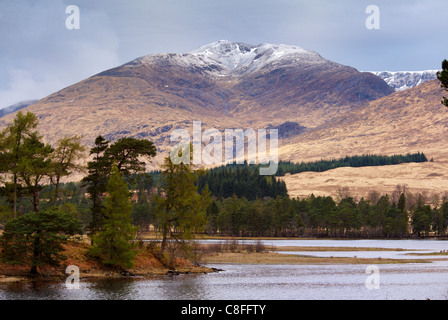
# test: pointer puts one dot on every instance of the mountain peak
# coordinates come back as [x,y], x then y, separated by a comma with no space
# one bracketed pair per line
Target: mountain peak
[223,84]
[237,57]
[224,47]
[224,58]
[227,48]
[402,80]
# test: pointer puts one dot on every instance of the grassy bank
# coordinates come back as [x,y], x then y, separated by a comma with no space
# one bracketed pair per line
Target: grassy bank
[236,252]
[300,248]
[278,258]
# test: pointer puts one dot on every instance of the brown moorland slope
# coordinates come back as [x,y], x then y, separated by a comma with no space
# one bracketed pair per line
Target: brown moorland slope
[409,121]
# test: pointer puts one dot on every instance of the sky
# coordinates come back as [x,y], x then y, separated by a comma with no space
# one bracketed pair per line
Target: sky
[41,52]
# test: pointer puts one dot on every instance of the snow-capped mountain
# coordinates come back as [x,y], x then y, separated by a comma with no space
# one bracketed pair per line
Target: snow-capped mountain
[223,84]
[233,57]
[402,80]
[225,58]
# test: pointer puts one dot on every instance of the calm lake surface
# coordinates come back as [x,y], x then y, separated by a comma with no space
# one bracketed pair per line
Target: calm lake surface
[274,282]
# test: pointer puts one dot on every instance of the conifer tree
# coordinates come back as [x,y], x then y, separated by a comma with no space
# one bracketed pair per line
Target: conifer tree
[443,78]
[65,156]
[23,127]
[36,238]
[96,182]
[182,208]
[113,243]
[126,153]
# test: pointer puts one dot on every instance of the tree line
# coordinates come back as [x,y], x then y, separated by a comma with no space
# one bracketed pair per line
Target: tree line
[285,167]
[324,217]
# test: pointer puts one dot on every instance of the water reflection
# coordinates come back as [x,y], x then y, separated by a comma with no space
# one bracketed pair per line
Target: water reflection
[116,289]
[368,254]
[191,287]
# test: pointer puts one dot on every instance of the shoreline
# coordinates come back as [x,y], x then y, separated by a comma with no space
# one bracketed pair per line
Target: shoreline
[146,265]
[101,275]
[318,248]
[247,254]
[279,258]
[150,235]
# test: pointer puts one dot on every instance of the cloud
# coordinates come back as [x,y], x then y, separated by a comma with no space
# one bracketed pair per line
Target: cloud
[40,55]
[24,87]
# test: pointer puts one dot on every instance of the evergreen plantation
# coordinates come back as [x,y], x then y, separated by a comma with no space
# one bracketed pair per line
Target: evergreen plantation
[353,161]
[245,180]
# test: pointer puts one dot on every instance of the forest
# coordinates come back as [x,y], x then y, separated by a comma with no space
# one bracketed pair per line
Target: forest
[243,203]
[349,161]
[397,215]
[321,216]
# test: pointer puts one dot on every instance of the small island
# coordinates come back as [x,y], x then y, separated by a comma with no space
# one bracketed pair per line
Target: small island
[146,263]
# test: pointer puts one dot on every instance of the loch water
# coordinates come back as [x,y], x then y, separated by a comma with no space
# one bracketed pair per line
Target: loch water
[274,282]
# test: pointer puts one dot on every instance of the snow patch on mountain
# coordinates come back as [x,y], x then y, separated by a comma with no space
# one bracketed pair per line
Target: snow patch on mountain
[402,80]
[224,58]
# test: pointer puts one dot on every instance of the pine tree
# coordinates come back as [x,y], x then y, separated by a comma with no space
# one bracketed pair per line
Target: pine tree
[23,127]
[96,182]
[113,243]
[36,239]
[126,153]
[443,78]
[182,208]
[421,218]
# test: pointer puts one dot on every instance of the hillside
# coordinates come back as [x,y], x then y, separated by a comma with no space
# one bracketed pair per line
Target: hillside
[223,84]
[408,121]
[428,178]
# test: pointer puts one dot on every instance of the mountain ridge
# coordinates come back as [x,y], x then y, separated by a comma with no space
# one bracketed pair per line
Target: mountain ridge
[310,99]
[262,86]
[403,80]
